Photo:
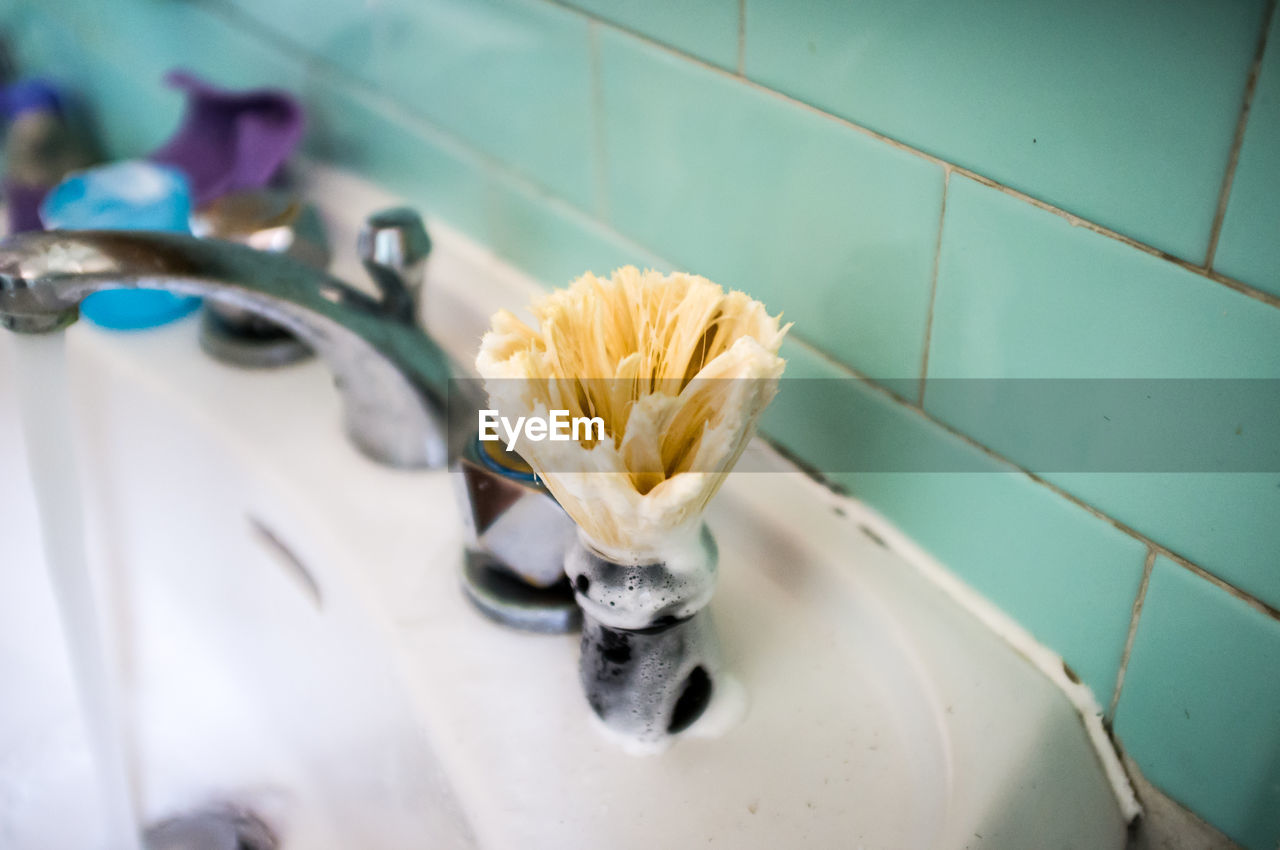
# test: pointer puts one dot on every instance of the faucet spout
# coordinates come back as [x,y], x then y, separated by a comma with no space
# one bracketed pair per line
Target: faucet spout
[393,379]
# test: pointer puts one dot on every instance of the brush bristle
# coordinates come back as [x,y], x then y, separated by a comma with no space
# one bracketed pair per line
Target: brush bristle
[678,370]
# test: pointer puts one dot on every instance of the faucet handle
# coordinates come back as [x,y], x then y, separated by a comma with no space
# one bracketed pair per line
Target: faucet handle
[393,246]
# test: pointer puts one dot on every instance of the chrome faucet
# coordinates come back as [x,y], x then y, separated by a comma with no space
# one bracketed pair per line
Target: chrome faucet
[393,379]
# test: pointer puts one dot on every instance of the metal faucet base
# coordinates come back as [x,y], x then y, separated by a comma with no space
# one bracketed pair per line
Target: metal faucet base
[504,597]
[249,349]
[392,378]
[216,829]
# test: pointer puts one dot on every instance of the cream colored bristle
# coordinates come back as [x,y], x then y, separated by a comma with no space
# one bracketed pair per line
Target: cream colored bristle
[678,369]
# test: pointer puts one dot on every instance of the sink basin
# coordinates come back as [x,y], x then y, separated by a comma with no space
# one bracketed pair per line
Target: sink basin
[252,676]
[296,642]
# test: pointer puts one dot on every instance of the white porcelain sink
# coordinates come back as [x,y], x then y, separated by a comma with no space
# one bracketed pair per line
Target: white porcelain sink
[250,679]
[297,643]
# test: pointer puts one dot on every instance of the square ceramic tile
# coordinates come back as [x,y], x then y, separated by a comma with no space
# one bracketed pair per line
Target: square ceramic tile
[1200,707]
[707,29]
[1225,522]
[444,179]
[537,232]
[145,39]
[832,227]
[553,242]
[1067,576]
[342,32]
[512,78]
[1023,294]
[1249,247]
[1120,112]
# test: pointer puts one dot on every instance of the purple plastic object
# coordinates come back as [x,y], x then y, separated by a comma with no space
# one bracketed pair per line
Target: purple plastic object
[42,153]
[32,93]
[231,141]
[24,206]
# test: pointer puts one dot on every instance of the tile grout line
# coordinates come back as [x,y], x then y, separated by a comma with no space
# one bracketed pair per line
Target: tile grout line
[933,288]
[1075,220]
[322,67]
[264,33]
[1138,602]
[742,38]
[1250,87]
[600,167]
[1221,583]
[1122,527]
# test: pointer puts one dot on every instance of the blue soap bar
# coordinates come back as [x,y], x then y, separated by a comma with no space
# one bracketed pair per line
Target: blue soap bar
[130,195]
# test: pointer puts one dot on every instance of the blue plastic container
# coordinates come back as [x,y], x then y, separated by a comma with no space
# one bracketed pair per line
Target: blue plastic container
[129,195]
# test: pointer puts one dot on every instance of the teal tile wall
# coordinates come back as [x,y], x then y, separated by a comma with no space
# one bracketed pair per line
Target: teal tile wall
[82,44]
[1068,576]
[1249,248]
[1064,101]
[738,185]
[1022,293]
[707,29]
[522,223]
[880,172]
[511,78]
[1201,704]
[350,129]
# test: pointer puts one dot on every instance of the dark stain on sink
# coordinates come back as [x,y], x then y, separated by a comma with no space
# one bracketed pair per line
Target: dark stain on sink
[873,537]
[286,557]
